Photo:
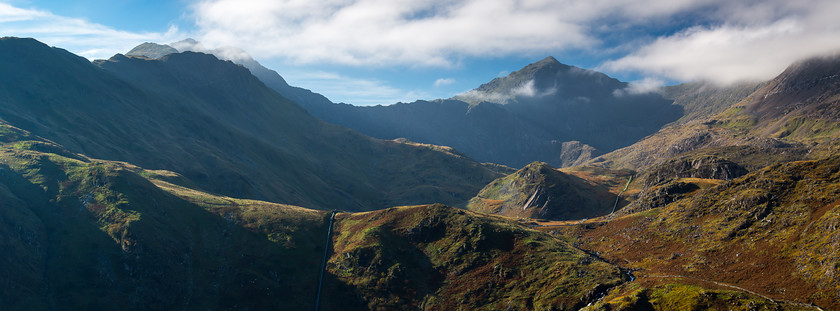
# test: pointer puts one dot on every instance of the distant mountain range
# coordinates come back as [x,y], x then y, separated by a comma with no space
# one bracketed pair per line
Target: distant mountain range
[546,111]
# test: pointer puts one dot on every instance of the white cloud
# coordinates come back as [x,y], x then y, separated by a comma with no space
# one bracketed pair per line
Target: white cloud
[8,13]
[444,81]
[646,85]
[475,97]
[377,32]
[754,41]
[729,41]
[79,36]
[527,89]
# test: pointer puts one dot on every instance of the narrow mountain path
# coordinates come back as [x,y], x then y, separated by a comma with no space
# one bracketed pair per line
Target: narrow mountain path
[324,262]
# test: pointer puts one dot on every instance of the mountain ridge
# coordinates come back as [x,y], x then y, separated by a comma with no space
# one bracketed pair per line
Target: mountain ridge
[492,128]
[187,113]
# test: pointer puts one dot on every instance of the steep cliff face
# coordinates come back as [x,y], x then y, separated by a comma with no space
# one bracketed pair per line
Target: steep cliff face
[703,166]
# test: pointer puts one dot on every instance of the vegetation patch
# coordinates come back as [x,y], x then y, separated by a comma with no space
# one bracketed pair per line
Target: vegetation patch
[438,257]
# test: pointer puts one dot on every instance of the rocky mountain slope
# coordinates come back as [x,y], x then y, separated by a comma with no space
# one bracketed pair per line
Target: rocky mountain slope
[786,118]
[543,192]
[439,258]
[216,124]
[772,232]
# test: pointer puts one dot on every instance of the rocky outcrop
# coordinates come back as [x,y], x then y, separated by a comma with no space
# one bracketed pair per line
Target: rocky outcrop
[541,191]
[706,167]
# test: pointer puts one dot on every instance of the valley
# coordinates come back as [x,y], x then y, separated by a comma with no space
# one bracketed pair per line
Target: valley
[166,179]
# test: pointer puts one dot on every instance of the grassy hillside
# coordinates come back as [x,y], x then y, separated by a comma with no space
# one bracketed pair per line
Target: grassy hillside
[441,258]
[676,293]
[773,232]
[83,233]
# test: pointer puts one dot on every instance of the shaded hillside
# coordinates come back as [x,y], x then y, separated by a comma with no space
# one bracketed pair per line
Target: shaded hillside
[220,127]
[441,258]
[270,77]
[87,234]
[540,191]
[773,232]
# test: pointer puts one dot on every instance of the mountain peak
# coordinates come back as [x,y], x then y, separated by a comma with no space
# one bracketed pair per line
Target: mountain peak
[536,166]
[548,60]
[151,50]
[549,64]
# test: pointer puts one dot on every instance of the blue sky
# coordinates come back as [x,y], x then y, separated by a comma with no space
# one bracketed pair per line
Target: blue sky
[368,52]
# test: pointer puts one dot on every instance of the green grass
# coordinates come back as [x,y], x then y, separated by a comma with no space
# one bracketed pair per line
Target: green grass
[445,258]
[103,234]
[681,296]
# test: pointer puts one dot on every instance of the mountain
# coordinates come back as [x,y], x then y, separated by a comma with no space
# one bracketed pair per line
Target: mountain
[129,184]
[788,118]
[270,77]
[546,111]
[221,128]
[80,233]
[438,258]
[772,233]
[543,192]
[801,104]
